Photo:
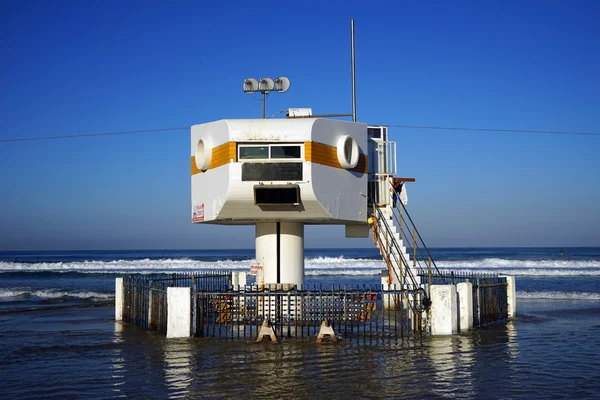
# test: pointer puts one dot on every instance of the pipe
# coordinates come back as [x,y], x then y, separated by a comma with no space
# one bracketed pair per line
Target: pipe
[353,72]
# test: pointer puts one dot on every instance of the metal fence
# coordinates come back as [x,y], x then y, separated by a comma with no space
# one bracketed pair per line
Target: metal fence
[353,312]
[220,310]
[490,301]
[145,296]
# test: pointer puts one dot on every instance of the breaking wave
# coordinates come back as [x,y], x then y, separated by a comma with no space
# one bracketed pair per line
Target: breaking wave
[314,266]
[12,294]
[556,295]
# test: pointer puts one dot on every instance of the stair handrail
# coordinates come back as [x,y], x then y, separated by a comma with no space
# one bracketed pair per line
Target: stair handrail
[421,300]
[381,217]
[430,257]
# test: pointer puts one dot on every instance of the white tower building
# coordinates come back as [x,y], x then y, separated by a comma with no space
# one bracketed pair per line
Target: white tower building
[280,174]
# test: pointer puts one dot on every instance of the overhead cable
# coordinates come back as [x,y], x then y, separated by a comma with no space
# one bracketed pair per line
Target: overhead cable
[187,128]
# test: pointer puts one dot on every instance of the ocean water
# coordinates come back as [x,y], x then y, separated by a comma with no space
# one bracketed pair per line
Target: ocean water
[58,338]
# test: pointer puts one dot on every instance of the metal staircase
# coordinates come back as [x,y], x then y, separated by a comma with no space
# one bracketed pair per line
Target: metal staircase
[406,256]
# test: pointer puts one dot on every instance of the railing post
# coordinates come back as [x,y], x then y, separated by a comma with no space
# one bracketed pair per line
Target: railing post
[194,306]
[429,277]
[414,246]
[400,219]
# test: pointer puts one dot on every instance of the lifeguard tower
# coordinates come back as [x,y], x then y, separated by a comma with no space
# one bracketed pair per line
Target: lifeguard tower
[280,174]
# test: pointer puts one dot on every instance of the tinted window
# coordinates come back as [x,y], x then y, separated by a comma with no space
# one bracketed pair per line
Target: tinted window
[285,151]
[250,153]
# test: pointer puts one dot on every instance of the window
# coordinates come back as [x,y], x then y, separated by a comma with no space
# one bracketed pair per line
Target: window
[254,152]
[270,152]
[285,151]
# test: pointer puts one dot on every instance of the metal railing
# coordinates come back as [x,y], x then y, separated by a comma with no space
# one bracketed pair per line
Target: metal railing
[382,157]
[353,312]
[490,296]
[409,234]
[145,296]
[201,280]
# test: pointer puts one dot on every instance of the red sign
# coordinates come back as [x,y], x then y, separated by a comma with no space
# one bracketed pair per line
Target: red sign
[198,213]
[255,268]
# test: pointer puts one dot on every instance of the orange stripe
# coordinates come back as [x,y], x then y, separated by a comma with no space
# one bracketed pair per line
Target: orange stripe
[221,155]
[325,154]
[315,152]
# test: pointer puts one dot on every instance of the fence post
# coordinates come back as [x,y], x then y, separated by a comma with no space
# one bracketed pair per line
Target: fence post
[151,324]
[119,295]
[464,291]
[178,312]
[194,307]
[511,295]
[444,318]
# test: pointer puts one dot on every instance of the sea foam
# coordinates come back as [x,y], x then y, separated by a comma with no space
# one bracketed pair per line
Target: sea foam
[11,294]
[315,266]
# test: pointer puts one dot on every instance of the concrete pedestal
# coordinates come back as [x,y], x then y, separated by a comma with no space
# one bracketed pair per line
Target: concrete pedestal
[280,251]
[238,280]
[511,294]
[179,306]
[119,294]
[444,319]
[464,292]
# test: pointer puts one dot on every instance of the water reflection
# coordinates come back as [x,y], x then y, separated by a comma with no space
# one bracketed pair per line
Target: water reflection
[117,362]
[280,369]
[452,361]
[178,355]
[146,364]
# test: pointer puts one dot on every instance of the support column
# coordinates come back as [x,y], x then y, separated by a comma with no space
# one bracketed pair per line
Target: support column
[444,319]
[266,251]
[280,251]
[119,294]
[292,253]
[178,312]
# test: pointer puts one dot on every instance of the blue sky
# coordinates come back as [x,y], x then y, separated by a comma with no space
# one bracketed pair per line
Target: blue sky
[71,67]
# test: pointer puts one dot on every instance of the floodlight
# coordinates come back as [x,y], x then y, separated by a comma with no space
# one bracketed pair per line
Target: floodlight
[250,85]
[266,84]
[282,84]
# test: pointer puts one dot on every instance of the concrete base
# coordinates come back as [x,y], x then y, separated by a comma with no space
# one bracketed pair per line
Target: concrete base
[119,295]
[444,313]
[326,332]
[266,330]
[178,312]
[511,294]
[464,292]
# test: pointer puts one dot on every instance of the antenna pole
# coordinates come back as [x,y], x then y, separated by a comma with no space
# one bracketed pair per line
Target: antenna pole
[263,103]
[353,73]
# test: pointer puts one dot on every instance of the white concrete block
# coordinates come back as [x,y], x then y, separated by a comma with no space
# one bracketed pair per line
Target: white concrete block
[179,318]
[119,295]
[238,279]
[464,293]
[444,314]
[511,294]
